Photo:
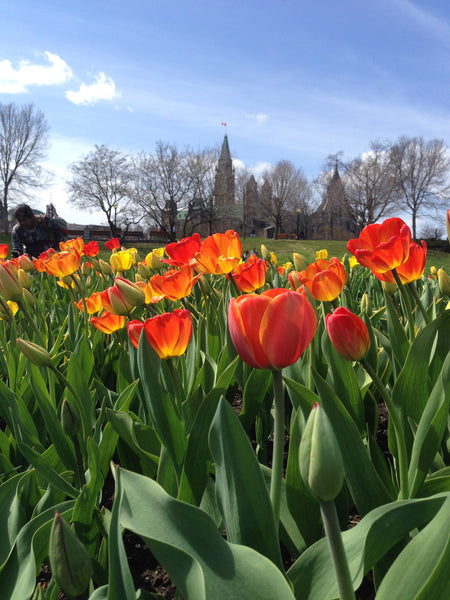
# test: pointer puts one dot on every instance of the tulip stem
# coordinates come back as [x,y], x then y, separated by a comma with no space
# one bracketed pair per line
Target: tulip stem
[406,302]
[413,290]
[337,550]
[398,429]
[278,445]
[34,327]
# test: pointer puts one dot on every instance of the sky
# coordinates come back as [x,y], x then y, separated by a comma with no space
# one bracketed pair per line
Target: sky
[293,80]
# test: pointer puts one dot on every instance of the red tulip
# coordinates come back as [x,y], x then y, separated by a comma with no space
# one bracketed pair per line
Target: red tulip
[382,247]
[325,279]
[4,249]
[168,334]
[91,249]
[348,333]
[182,253]
[113,244]
[251,275]
[412,269]
[272,330]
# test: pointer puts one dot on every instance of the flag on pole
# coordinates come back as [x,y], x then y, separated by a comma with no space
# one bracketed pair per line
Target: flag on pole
[224,124]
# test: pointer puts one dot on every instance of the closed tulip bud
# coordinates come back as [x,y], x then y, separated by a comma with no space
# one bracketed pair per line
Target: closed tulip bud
[10,286]
[153,260]
[26,263]
[24,278]
[70,420]
[144,271]
[348,334]
[105,268]
[265,253]
[6,313]
[321,465]
[130,291]
[389,288]
[70,562]
[269,277]
[444,282]
[28,298]
[366,305]
[36,354]
[433,272]
[300,263]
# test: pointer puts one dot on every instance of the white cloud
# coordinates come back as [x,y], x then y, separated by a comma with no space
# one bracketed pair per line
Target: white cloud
[17,81]
[260,118]
[103,88]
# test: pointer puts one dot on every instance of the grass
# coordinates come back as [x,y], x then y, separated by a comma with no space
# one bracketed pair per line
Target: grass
[285,248]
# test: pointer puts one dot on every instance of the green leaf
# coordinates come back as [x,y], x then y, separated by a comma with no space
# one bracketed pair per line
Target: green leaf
[166,421]
[364,484]
[241,491]
[397,336]
[431,428]
[421,571]
[18,572]
[12,514]
[191,549]
[256,388]
[312,575]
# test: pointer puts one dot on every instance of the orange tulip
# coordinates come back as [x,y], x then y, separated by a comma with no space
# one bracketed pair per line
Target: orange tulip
[168,334]
[219,253]
[62,263]
[382,247]
[348,333]
[251,275]
[182,253]
[107,322]
[412,269]
[93,303]
[76,245]
[4,249]
[174,284]
[325,279]
[272,330]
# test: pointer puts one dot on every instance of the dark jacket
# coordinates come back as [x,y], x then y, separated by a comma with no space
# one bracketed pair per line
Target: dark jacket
[47,234]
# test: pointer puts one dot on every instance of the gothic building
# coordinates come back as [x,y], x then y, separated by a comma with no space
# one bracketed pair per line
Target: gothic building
[224,186]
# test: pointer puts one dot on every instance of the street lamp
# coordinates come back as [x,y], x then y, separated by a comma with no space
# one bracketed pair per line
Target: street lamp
[298,211]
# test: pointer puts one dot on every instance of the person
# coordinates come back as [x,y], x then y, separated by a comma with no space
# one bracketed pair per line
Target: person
[34,234]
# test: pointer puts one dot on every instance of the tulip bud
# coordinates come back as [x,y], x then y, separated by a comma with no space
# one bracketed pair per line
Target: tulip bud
[9,284]
[300,263]
[447,224]
[265,253]
[131,292]
[24,278]
[70,562]
[105,268]
[444,282]
[433,272]
[26,263]
[321,465]
[366,305]
[5,310]
[389,288]
[70,420]
[144,271]
[29,299]
[348,334]
[36,354]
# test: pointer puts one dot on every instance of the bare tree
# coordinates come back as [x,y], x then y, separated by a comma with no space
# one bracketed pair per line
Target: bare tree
[284,190]
[101,181]
[371,186]
[173,181]
[422,170]
[23,146]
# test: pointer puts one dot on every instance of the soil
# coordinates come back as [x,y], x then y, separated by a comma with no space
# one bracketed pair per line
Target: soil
[150,576]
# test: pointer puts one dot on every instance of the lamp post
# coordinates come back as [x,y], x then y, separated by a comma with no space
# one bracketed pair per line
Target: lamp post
[298,211]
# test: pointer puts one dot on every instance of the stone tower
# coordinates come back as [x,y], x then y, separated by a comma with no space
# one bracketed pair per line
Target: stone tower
[224,185]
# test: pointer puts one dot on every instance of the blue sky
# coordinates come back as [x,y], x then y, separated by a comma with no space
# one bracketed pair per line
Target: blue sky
[293,79]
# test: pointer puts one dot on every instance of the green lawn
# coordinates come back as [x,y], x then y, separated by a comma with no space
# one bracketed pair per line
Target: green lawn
[285,248]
